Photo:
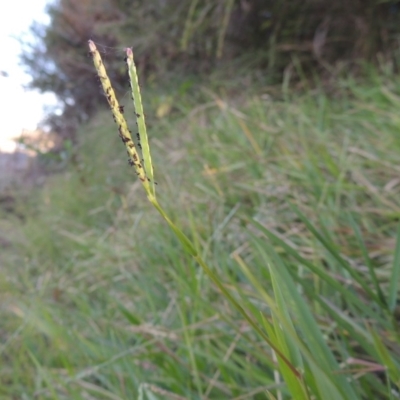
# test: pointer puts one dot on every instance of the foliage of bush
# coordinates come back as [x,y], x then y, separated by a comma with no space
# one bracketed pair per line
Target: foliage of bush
[197,35]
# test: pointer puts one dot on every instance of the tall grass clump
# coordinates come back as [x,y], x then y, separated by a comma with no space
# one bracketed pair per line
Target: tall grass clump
[145,174]
[307,304]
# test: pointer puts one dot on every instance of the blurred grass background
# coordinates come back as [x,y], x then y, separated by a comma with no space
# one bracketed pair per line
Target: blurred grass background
[98,301]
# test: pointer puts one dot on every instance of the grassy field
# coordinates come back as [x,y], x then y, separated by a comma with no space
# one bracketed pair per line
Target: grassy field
[294,200]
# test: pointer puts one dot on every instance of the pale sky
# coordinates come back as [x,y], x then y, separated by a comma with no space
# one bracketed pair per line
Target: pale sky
[19,109]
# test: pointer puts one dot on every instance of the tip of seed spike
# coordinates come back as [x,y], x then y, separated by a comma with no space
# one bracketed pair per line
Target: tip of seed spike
[92,46]
[129,51]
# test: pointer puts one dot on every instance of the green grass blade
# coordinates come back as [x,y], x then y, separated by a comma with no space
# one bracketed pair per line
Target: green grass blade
[315,349]
[395,275]
[367,259]
[318,271]
[295,386]
[277,338]
[333,251]
[317,356]
[191,351]
[386,359]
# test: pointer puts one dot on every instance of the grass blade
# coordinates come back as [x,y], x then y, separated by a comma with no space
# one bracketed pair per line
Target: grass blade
[330,247]
[367,259]
[395,275]
[313,268]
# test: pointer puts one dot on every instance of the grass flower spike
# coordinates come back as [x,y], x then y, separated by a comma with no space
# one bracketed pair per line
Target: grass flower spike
[141,123]
[146,175]
[117,111]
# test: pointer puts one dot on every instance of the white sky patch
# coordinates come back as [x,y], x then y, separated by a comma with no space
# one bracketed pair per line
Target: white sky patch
[20,109]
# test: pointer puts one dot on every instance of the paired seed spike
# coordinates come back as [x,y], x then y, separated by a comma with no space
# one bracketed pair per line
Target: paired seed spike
[119,119]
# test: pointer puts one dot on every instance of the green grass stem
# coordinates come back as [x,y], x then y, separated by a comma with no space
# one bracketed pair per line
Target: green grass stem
[185,241]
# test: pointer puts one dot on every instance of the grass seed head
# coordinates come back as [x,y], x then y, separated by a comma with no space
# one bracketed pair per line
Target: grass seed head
[118,117]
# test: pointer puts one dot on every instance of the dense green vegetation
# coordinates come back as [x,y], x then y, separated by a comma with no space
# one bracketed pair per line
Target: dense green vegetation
[292,198]
[288,189]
